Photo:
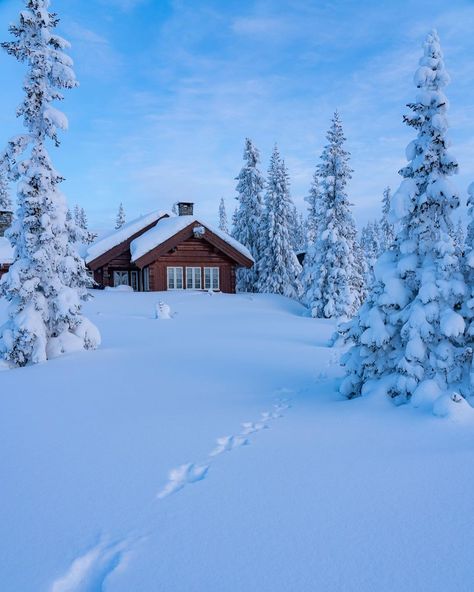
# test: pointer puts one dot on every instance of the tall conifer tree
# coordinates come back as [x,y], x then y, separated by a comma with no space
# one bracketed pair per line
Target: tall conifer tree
[279,268]
[247,217]
[410,331]
[334,266]
[47,280]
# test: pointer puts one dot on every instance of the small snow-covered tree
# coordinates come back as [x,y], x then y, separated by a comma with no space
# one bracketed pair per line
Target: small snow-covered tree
[409,333]
[371,244]
[120,219]
[248,215]
[279,268]
[334,267]
[459,237]
[299,232]
[46,282]
[6,204]
[387,233]
[82,231]
[312,216]
[223,217]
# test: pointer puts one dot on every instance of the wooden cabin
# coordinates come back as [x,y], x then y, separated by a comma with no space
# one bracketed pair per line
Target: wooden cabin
[160,252]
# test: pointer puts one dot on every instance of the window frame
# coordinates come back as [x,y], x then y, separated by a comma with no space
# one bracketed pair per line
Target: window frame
[146,279]
[193,286]
[175,278]
[122,275]
[214,273]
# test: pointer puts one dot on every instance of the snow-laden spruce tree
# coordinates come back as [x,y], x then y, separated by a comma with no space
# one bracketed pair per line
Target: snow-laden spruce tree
[223,225]
[387,233]
[334,266]
[247,217]
[371,244]
[409,334]
[468,310]
[120,219]
[46,282]
[459,237]
[82,232]
[312,216]
[279,268]
[6,204]
[299,232]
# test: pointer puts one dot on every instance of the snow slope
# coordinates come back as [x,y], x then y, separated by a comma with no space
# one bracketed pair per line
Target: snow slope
[211,452]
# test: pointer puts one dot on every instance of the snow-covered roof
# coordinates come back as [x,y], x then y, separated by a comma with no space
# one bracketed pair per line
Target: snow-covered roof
[116,237]
[168,227]
[6,251]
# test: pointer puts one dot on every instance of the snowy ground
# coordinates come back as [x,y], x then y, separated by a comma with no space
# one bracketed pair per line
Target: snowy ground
[333,496]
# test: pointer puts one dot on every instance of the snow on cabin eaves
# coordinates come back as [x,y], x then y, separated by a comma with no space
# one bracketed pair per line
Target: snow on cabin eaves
[168,227]
[116,237]
[6,251]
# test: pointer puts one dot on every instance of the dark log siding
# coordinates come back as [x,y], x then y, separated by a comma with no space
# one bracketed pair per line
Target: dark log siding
[193,252]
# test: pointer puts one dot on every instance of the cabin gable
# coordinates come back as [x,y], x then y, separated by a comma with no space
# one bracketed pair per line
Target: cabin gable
[122,250]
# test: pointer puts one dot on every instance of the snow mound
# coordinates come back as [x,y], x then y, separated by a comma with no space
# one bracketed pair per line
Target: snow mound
[118,289]
[453,406]
[425,394]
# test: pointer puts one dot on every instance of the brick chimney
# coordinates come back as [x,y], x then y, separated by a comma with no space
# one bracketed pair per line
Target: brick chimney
[185,208]
[5,221]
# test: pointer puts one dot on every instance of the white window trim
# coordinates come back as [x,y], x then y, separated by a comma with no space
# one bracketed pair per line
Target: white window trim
[213,270]
[193,287]
[116,272]
[174,278]
[146,279]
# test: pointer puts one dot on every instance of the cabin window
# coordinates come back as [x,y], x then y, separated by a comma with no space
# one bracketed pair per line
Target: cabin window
[193,278]
[134,280]
[211,278]
[121,278]
[175,278]
[146,279]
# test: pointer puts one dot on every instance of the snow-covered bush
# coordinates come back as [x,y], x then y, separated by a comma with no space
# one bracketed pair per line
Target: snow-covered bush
[47,280]
[410,329]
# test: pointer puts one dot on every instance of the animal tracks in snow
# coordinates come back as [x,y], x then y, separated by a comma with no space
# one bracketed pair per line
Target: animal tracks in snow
[89,572]
[192,472]
[181,476]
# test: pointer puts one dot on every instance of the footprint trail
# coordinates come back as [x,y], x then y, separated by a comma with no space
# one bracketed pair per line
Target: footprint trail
[189,473]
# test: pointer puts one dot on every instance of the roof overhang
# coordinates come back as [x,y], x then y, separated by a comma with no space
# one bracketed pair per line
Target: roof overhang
[186,233]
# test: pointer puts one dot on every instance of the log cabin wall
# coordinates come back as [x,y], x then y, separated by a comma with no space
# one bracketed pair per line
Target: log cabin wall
[105,275]
[193,252]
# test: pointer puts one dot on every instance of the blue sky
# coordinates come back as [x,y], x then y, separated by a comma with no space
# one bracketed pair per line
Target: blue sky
[170,89]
